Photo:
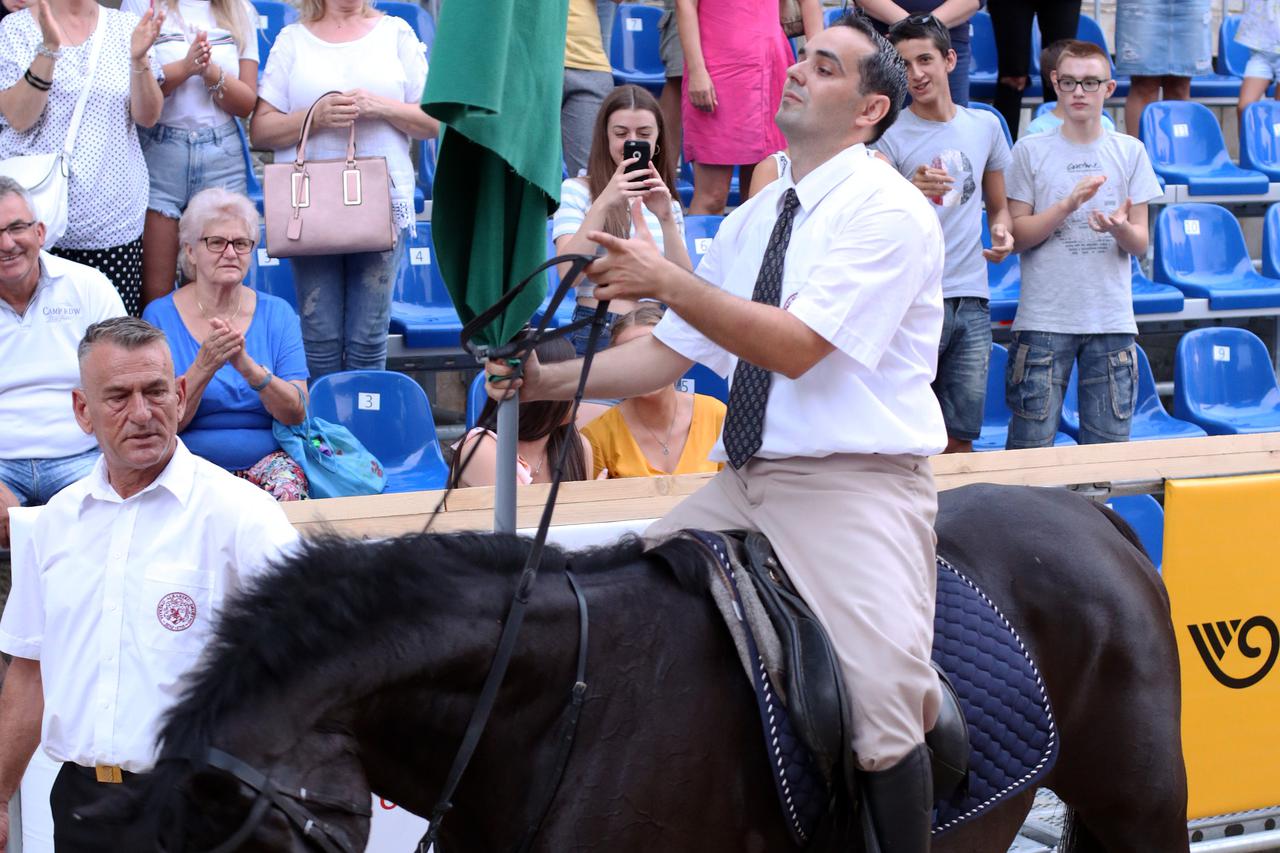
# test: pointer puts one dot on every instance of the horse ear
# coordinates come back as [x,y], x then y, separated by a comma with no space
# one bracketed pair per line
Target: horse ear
[117,805]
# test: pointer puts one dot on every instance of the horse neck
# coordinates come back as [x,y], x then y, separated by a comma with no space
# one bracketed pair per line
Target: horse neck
[409,733]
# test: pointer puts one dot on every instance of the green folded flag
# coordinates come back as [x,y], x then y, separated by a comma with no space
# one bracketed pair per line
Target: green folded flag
[496,80]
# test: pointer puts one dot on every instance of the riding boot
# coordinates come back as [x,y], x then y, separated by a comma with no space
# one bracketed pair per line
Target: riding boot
[899,803]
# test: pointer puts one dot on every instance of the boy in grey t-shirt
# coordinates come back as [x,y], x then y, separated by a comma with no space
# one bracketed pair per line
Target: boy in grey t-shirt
[957,158]
[1078,195]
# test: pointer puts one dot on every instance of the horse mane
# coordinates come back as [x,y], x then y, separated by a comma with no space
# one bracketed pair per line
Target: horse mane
[333,595]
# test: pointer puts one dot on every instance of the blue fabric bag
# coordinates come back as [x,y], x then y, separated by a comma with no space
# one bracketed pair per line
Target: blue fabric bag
[336,463]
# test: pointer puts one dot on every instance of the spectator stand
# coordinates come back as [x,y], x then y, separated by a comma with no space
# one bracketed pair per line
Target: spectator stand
[633,50]
[1185,143]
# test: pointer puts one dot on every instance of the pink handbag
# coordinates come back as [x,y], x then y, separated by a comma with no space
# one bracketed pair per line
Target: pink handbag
[327,207]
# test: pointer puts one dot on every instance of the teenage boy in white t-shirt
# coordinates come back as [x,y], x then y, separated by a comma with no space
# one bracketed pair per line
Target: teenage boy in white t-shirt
[1078,195]
[947,151]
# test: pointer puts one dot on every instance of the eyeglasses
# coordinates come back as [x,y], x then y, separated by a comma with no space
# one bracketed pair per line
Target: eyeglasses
[1089,84]
[17,229]
[218,245]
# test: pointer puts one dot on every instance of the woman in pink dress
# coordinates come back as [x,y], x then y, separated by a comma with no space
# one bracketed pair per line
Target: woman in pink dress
[736,59]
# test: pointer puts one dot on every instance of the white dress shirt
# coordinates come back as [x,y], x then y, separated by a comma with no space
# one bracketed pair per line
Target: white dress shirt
[38,351]
[863,270]
[116,599]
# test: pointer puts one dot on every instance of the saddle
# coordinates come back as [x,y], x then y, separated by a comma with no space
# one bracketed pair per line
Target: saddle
[787,654]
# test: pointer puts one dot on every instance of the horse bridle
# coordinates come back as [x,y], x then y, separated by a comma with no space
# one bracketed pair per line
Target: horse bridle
[293,803]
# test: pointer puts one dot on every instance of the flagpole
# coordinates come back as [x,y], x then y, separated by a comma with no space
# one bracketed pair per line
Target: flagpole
[504,493]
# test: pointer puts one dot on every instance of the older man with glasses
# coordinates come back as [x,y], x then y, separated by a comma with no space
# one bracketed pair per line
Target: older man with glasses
[46,303]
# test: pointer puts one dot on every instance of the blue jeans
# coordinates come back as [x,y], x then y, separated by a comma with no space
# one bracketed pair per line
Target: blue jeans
[958,80]
[964,354]
[1036,378]
[35,481]
[345,307]
[579,338]
[180,163]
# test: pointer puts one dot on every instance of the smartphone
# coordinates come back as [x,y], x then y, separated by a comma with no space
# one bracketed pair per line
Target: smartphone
[630,149]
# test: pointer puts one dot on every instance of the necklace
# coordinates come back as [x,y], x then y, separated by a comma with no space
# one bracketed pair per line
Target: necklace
[230,321]
[665,445]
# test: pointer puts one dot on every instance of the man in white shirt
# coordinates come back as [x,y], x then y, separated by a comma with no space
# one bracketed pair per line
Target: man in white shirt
[46,303]
[822,296]
[115,593]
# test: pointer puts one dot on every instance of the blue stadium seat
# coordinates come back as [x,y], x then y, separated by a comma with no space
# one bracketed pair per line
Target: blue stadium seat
[1152,298]
[1228,65]
[253,187]
[701,379]
[391,416]
[684,186]
[1150,420]
[1200,249]
[832,15]
[1185,144]
[699,231]
[271,275]
[426,173]
[983,66]
[273,16]
[564,312]
[996,415]
[1232,56]
[1145,515]
[421,309]
[1223,381]
[1260,138]
[1004,279]
[417,16]
[1004,125]
[634,52]
[1271,242]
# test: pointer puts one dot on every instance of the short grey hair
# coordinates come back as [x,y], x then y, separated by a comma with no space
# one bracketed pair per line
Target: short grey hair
[128,333]
[8,186]
[213,203]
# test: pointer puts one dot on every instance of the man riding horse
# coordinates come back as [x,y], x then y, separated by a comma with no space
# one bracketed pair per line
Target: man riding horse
[822,296]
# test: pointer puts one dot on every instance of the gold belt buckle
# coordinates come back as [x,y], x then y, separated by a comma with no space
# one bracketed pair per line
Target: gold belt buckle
[110,773]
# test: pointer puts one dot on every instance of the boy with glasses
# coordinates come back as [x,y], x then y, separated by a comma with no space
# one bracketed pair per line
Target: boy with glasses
[1054,117]
[1078,195]
[956,157]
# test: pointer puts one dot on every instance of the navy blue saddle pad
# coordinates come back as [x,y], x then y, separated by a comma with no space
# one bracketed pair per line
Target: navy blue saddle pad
[1012,735]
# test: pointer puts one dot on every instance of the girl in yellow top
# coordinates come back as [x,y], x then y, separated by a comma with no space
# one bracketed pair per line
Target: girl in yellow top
[666,432]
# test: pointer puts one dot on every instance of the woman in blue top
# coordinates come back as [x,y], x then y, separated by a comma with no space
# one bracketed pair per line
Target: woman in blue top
[239,350]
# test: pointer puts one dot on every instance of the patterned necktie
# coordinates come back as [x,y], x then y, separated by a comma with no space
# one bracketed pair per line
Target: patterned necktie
[749,394]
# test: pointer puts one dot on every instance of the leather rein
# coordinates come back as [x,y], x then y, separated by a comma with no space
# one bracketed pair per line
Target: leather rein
[294,803]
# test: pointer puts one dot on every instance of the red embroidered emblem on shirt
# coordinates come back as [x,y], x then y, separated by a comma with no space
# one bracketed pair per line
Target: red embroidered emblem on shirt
[176,611]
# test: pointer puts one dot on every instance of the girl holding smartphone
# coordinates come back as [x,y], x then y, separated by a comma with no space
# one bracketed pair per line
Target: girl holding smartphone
[600,199]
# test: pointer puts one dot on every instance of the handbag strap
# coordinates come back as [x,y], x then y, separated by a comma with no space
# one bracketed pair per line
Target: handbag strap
[95,50]
[300,157]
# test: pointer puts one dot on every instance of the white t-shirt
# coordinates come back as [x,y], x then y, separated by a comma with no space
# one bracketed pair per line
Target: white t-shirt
[108,190]
[38,351]
[863,270]
[190,106]
[389,61]
[1078,281]
[117,598]
[969,146]
[575,201]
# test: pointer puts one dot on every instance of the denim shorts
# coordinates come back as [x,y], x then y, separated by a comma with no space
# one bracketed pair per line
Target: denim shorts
[34,481]
[183,162]
[1155,38]
[1264,65]
[1036,378]
[964,354]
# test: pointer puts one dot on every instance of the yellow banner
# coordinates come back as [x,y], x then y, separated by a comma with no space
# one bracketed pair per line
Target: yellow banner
[1222,569]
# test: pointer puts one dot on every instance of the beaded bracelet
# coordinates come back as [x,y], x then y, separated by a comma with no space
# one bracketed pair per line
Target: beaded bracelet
[35,82]
[217,89]
[266,380]
[52,53]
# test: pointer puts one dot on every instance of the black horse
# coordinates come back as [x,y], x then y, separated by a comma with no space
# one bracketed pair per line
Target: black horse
[355,667]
